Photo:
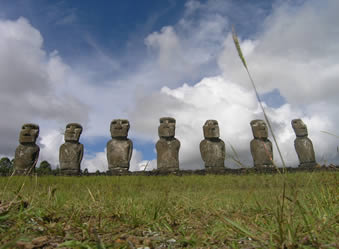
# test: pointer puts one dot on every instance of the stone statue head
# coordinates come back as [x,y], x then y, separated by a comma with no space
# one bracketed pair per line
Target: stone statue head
[29,133]
[73,132]
[299,128]
[119,128]
[211,129]
[259,129]
[166,127]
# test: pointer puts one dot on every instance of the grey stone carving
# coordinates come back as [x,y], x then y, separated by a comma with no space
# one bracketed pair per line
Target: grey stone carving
[303,145]
[27,153]
[261,146]
[212,148]
[71,152]
[119,148]
[167,146]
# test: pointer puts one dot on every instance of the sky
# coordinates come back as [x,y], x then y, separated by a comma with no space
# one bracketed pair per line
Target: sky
[94,61]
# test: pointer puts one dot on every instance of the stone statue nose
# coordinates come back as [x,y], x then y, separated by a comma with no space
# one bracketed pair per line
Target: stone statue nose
[27,132]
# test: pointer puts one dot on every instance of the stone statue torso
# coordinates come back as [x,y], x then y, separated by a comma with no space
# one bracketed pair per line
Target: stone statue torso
[26,156]
[168,154]
[304,149]
[119,152]
[262,152]
[213,153]
[70,156]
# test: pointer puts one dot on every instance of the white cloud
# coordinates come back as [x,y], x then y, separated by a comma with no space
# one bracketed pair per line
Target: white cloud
[295,52]
[32,83]
[96,162]
[137,164]
[49,143]
[99,162]
[234,107]
[286,55]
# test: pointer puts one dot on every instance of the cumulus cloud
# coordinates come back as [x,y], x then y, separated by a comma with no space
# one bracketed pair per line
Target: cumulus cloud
[98,161]
[234,107]
[32,82]
[49,144]
[286,54]
[296,52]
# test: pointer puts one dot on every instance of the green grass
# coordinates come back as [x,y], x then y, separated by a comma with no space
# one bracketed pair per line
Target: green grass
[224,211]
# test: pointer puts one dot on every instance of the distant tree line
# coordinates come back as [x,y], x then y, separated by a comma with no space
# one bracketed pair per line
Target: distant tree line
[45,168]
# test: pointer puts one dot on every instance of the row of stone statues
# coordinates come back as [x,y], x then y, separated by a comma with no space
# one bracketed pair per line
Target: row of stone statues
[119,148]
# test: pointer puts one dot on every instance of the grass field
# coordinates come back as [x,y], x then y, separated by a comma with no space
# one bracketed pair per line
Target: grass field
[211,211]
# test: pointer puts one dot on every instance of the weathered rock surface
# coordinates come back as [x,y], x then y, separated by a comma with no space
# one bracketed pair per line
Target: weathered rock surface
[71,152]
[212,148]
[27,153]
[167,146]
[119,148]
[303,145]
[261,146]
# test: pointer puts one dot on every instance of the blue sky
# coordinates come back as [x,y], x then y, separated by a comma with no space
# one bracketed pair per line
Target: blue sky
[92,61]
[117,28]
[114,26]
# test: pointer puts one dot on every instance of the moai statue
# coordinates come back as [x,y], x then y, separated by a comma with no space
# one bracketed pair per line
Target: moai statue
[27,153]
[71,152]
[167,146]
[303,145]
[212,148]
[261,146]
[119,148]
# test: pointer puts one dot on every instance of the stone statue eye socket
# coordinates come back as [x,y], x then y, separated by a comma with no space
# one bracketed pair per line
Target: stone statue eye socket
[124,122]
[114,122]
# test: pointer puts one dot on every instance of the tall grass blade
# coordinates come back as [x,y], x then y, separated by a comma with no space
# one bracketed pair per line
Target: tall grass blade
[146,165]
[240,228]
[90,193]
[234,152]
[99,245]
[74,244]
[237,45]
[329,133]
[235,157]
